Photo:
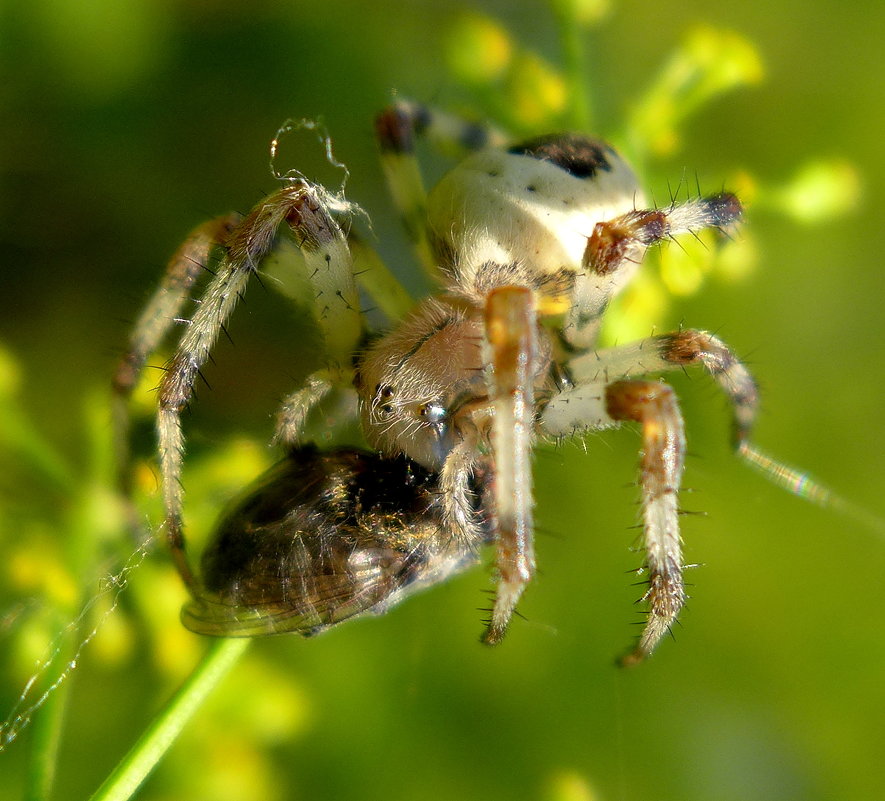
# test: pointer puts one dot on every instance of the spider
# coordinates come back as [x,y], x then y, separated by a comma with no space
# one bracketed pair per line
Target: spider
[528,242]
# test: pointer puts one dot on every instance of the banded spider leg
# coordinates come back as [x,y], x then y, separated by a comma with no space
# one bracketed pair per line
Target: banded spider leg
[307,212]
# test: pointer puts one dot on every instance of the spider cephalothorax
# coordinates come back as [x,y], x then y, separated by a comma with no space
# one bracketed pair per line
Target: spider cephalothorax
[528,243]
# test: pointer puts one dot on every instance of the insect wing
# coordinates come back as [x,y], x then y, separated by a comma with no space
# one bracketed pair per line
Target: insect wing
[320,538]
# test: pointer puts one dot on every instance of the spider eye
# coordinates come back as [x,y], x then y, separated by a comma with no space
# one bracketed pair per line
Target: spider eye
[383,392]
[433,413]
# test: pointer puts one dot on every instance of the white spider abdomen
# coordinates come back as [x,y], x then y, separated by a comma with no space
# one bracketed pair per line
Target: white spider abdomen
[532,206]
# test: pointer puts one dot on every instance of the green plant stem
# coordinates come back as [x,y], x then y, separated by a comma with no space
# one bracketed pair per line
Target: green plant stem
[571,34]
[48,722]
[134,768]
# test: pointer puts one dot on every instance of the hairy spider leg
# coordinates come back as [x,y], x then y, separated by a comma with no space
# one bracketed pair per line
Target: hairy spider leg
[677,350]
[605,404]
[690,347]
[512,332]
[664,352]
[293,412]
[396,129]
[621,242]
[307,211]
[596,375]
[654,406]
[159,315]
[576,409]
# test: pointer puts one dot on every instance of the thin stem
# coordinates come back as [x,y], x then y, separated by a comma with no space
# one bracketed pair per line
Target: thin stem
[134,768]
[48,723]
[571,37]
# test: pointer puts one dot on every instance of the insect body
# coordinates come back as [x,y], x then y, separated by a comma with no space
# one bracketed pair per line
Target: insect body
[528,243]
[323,537]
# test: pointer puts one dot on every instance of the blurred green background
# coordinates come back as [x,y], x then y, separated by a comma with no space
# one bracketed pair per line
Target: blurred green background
[125,124]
